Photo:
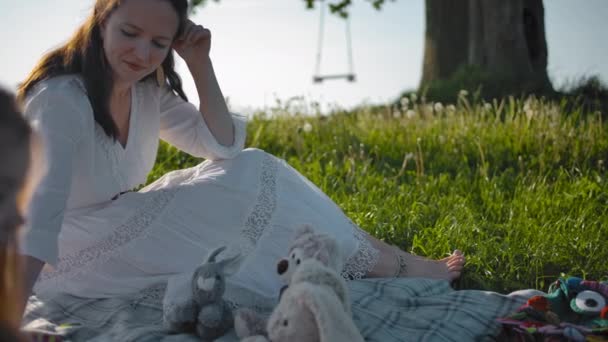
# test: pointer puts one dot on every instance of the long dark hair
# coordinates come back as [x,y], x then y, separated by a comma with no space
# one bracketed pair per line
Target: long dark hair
[15,140]
[83,54]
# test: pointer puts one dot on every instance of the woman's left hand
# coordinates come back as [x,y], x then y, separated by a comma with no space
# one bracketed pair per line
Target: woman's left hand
[194,45]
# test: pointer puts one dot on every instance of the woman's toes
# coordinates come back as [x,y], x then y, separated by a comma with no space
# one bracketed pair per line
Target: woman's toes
[456,262]
[459,257]
[455,267]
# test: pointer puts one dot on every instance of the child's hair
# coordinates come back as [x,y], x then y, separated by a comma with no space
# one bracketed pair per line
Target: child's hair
[15,137]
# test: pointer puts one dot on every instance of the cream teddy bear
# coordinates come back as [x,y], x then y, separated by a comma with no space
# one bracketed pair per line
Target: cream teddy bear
[315,306]
[309,244]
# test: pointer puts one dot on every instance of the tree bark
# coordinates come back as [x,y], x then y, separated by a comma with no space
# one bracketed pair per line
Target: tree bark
[446,39]
[498,36]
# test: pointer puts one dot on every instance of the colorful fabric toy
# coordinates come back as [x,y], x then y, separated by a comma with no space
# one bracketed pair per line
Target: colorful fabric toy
[573,310]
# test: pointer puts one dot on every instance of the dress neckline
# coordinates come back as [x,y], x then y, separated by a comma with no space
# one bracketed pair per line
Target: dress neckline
[132,118]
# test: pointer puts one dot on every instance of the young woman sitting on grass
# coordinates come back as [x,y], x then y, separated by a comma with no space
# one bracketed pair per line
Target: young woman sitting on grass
[101,102]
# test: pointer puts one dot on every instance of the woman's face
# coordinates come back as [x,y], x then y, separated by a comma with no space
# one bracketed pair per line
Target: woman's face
[137,37]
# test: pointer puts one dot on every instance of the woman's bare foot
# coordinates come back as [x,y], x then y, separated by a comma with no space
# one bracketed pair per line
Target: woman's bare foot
[394,262]
[448,268]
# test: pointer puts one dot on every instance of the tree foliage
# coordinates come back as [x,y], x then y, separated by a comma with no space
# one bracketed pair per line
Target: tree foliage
[338,7]
[341,7]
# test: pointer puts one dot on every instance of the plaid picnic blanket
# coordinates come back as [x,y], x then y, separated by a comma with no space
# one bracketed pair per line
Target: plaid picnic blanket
[384,309]
[426,310]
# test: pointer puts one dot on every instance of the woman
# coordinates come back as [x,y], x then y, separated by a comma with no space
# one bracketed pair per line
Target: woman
[17,181]
[101,102]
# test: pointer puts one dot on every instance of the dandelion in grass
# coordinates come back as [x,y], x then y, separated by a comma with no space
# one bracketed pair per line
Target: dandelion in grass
[530,113]
[487,107]
[307,128]
[451,109]
[405,102]
[463,93]
[438,107]
[410,114]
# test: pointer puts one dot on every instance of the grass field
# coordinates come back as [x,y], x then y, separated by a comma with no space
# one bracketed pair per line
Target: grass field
[519,186]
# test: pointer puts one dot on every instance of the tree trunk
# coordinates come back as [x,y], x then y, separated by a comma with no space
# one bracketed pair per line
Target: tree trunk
[446,40]
[498,36]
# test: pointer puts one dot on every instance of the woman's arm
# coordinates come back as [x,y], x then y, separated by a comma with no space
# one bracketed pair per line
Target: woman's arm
[194,47]
[209,132]
[212,104]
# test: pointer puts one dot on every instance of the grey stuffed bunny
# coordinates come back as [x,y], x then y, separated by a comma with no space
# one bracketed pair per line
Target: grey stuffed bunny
[215,317]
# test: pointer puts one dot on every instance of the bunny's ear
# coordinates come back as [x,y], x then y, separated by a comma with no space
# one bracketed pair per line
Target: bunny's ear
[214,253]
[231,265]
[307,298]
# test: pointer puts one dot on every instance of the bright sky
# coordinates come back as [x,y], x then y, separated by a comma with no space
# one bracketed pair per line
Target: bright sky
[266,49]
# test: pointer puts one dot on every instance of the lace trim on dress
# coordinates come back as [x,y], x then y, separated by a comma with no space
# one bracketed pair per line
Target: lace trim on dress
[151,296]
[72,264]
[260,217]
[356,267]
[364,260]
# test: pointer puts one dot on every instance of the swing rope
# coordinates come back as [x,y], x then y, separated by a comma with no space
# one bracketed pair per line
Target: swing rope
[350,76]
[320,39]
[351,68]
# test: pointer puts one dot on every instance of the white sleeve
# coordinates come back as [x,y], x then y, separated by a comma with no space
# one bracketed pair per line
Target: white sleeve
[183,126]
[56,116]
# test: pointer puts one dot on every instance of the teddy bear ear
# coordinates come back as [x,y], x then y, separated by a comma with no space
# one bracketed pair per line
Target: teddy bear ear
[333,250]
[304,230]
[330,244]
[323,256]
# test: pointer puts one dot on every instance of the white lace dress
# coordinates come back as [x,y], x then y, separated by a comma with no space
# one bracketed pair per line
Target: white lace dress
[99,247]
